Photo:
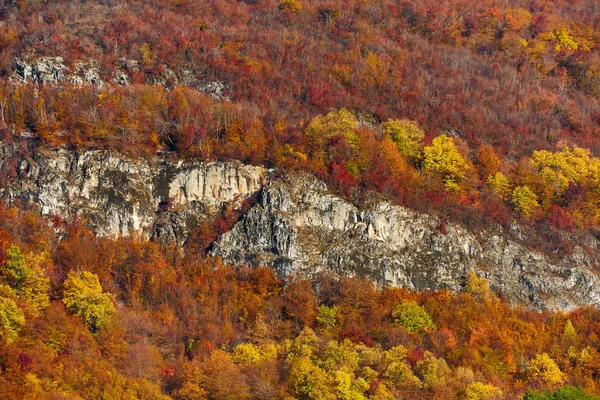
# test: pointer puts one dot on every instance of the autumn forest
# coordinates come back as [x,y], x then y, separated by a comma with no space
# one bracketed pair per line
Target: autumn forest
[482,113]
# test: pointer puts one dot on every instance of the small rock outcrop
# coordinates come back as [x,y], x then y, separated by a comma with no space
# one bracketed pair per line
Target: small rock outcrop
[53,70]
[42,70]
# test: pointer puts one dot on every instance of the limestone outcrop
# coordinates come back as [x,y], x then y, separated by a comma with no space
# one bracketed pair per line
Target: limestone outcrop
[118,195]
[296,225]
[53,70]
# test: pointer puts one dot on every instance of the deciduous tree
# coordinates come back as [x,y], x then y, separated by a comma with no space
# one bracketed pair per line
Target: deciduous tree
[82,295]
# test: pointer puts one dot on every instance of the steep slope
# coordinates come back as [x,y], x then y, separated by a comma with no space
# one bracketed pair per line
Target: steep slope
[297,226]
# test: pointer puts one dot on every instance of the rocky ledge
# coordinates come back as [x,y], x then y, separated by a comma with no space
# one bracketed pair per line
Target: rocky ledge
[297,225]
[117,195]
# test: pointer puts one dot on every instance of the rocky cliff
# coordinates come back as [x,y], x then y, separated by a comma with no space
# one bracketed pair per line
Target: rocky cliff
[297,226]
[117,195]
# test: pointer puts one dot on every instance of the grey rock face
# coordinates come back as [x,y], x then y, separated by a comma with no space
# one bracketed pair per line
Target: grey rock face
[118,195]
[53,70]
[299,228]
[42,70]
[115,195]
[87,73]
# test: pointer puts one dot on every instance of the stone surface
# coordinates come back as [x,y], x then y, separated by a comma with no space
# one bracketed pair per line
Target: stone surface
[297,225]
[53,70]
[118,195]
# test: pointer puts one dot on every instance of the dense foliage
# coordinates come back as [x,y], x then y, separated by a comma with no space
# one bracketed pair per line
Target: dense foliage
[128,319]
[480,111]
[455,107]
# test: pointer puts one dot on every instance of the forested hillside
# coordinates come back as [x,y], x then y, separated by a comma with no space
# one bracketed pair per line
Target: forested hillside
[485,114]
[88,318]
[352,91]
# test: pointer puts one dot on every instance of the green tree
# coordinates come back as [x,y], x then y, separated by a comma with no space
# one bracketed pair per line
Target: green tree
[338,356]
[407,135]
[411,316]
[14,271]
[432,371]
[305,344]
[82,294]
[35,285]
[398,372]
[444,158]
[11,319]
[28,279]
[564,393]
[400,375]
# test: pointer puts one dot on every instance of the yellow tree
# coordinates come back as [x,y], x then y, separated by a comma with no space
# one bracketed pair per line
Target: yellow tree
[563,40]
[292,6]
[309,381]
[82,294]
[398,372]
[482,391]
[524,200]
[543,368]
[478,287]
[246,353]
[336,123]
[568,165]
[499,184]
[569,329]
[444,158]
[432,371]
[347,387]
[406,135]
[327,317]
